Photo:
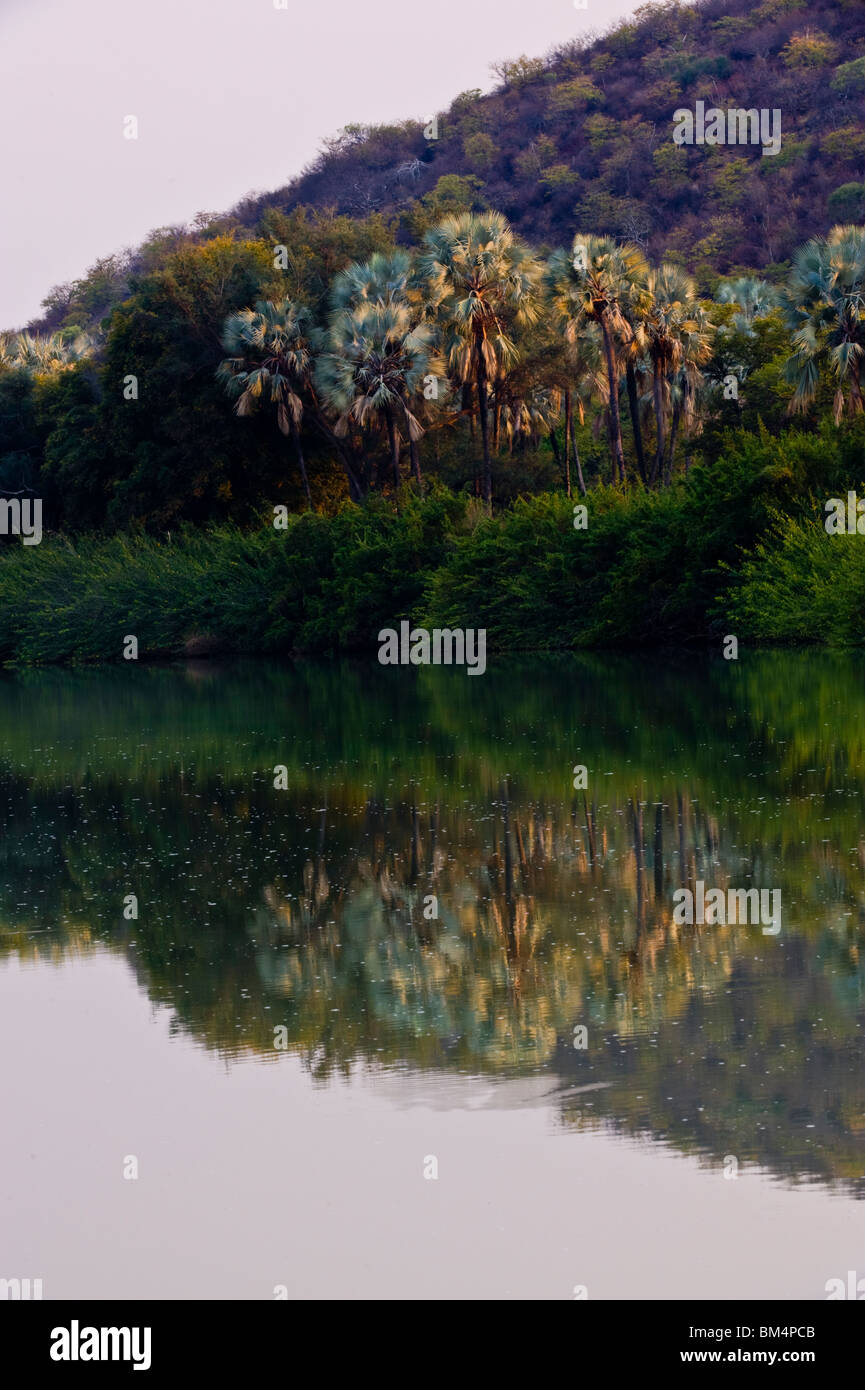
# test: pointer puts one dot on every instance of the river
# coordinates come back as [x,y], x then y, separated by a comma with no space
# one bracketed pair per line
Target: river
[323,980]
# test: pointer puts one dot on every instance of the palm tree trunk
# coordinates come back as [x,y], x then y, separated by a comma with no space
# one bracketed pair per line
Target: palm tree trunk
[634,404]
[358,483]
[414,450]
[613,413]
[579,467]
[674,429]
[658,398]
[485,435]
[554,445]
[568,441]
[468,407]
[355,485]
[295,434]
[394,448]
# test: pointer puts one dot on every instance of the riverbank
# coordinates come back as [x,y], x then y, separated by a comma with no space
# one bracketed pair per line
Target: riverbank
[736,549]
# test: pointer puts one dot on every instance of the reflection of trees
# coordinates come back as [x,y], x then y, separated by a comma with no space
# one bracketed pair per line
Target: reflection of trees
[307,908]
[260,908]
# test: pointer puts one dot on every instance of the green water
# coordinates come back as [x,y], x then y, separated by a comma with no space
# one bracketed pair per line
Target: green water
[424,895]
[307,907]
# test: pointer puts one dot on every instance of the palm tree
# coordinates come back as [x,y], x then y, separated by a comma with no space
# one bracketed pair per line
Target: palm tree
[677,334]
[588,377]
[824,304]
[484,282]
[387,278]
[576,371]
[638,368]
[528,416]
[685,395]
[51,352]
[378,359]
[753,298]
[271,353]
[602,283]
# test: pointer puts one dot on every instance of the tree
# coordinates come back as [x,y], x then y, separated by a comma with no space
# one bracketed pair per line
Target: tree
[388,279]
[485,282]
[823,306]
[271,353]
[481,151]
[574,370]
[753,298]
[386,276]
[601,282]
[675,335]
[378,358]
[43,354]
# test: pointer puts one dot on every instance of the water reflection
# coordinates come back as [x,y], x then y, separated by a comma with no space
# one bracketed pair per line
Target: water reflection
[425,894]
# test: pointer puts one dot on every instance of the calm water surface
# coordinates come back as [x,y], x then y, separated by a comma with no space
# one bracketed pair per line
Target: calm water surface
[287,1034]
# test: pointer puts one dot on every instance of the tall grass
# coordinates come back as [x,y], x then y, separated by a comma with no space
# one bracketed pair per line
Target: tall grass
[738,548]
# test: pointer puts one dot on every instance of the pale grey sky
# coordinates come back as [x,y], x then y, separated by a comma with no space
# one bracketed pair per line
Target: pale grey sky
[230,96]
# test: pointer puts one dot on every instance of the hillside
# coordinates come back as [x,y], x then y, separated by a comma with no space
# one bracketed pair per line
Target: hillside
[584,137]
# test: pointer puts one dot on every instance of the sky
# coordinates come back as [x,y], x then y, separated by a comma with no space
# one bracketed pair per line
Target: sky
[231,96]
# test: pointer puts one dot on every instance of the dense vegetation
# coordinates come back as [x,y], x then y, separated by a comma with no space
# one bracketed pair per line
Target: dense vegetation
[654,567]
[435,392]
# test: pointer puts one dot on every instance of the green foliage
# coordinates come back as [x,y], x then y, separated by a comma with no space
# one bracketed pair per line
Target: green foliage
[517,72]
[732,181]
[802,585]
[577,95]
[559,176]
[735,546]
[849,141]
[686,71]
[810,49]
[453,194]
[848,201]
[322,585]
[671,164]
[481,151]
[850,77]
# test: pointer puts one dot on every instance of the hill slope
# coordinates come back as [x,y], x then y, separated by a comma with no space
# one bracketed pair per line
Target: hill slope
[584,137]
